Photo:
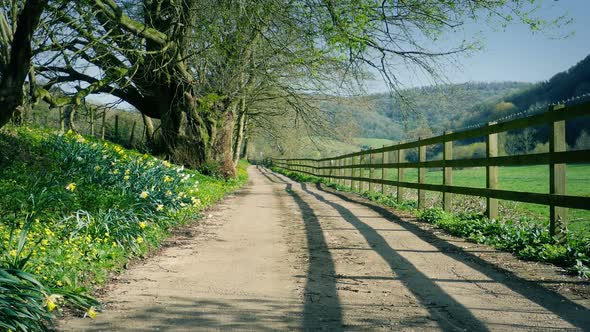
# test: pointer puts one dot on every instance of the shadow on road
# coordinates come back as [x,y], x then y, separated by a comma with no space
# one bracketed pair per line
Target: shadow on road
[568,310]
[176,313]
[449,314]
[322,309]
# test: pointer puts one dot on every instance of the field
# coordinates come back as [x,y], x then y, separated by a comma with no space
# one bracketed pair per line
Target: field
[526,178]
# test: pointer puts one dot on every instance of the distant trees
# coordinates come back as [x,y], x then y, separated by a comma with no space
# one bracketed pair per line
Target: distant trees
[583,141]
[522,142]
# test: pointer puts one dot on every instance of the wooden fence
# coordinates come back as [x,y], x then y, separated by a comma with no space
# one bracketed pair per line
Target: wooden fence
[347,169]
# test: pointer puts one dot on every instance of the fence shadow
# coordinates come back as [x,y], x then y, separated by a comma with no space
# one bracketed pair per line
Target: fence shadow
[554,302]
[449,314]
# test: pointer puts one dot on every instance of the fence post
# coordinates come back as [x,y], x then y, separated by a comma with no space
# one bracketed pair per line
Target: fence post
[340,171]
[331,171]
[62,120]
[383,173]
[359,172]
[352,173]
[366,173]
[492,174]
[132,133]
[421,176]
[400,175]
[91,110]
[116,126]
[447,173]
[557,215]
[371,170]
[104,124]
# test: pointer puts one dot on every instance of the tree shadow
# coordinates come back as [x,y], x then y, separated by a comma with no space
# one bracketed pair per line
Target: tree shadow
[177,313]
[573,313]
[322,309]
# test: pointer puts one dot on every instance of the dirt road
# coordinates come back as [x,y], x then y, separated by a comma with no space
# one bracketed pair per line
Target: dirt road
[287,256]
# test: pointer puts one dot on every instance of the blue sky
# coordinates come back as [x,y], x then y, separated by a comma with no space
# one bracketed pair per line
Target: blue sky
[515,53]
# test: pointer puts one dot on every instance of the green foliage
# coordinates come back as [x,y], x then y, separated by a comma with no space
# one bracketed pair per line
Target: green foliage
[78,209]
[23,302]
[525,238]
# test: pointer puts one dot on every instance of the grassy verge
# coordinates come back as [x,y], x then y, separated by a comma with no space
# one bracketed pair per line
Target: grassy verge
[519,178]
[527,238]
[74,210]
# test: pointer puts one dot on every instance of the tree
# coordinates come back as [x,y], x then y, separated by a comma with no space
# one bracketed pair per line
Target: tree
[16,52]
[583,141]
[195,64]
[522,142]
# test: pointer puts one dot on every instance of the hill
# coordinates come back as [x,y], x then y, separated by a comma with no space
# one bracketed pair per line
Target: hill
[418,110]
[569,84]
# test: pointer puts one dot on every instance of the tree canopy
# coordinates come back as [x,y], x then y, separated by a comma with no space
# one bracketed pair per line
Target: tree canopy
[207,68]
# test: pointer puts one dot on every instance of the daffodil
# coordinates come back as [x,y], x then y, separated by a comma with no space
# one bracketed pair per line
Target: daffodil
[97,168]
[139,240]
[91,313]
[159,207]
[13,252]
[51,301]
[71,186]
[144,194]
[142,225]
[126,178]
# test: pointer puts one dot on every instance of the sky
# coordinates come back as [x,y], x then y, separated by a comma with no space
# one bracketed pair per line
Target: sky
[515,53]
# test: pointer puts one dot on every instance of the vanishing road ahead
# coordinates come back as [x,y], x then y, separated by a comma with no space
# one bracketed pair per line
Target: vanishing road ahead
[281,255]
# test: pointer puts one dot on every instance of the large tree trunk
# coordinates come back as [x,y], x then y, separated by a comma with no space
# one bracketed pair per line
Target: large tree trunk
[70,114]
[15,72]
[223,144]
[200,132]
[239,132]
[245,148]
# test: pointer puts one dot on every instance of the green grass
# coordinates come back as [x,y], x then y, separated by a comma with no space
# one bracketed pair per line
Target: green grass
[526,178]
[76,209]
[372,142]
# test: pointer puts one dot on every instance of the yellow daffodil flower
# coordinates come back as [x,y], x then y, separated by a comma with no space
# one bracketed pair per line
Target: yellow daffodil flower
[91,313]
[71,186]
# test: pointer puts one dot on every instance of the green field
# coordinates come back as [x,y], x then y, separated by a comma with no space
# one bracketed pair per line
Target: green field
[526,179]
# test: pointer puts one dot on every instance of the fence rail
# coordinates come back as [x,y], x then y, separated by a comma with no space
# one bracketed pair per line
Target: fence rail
[347,169]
